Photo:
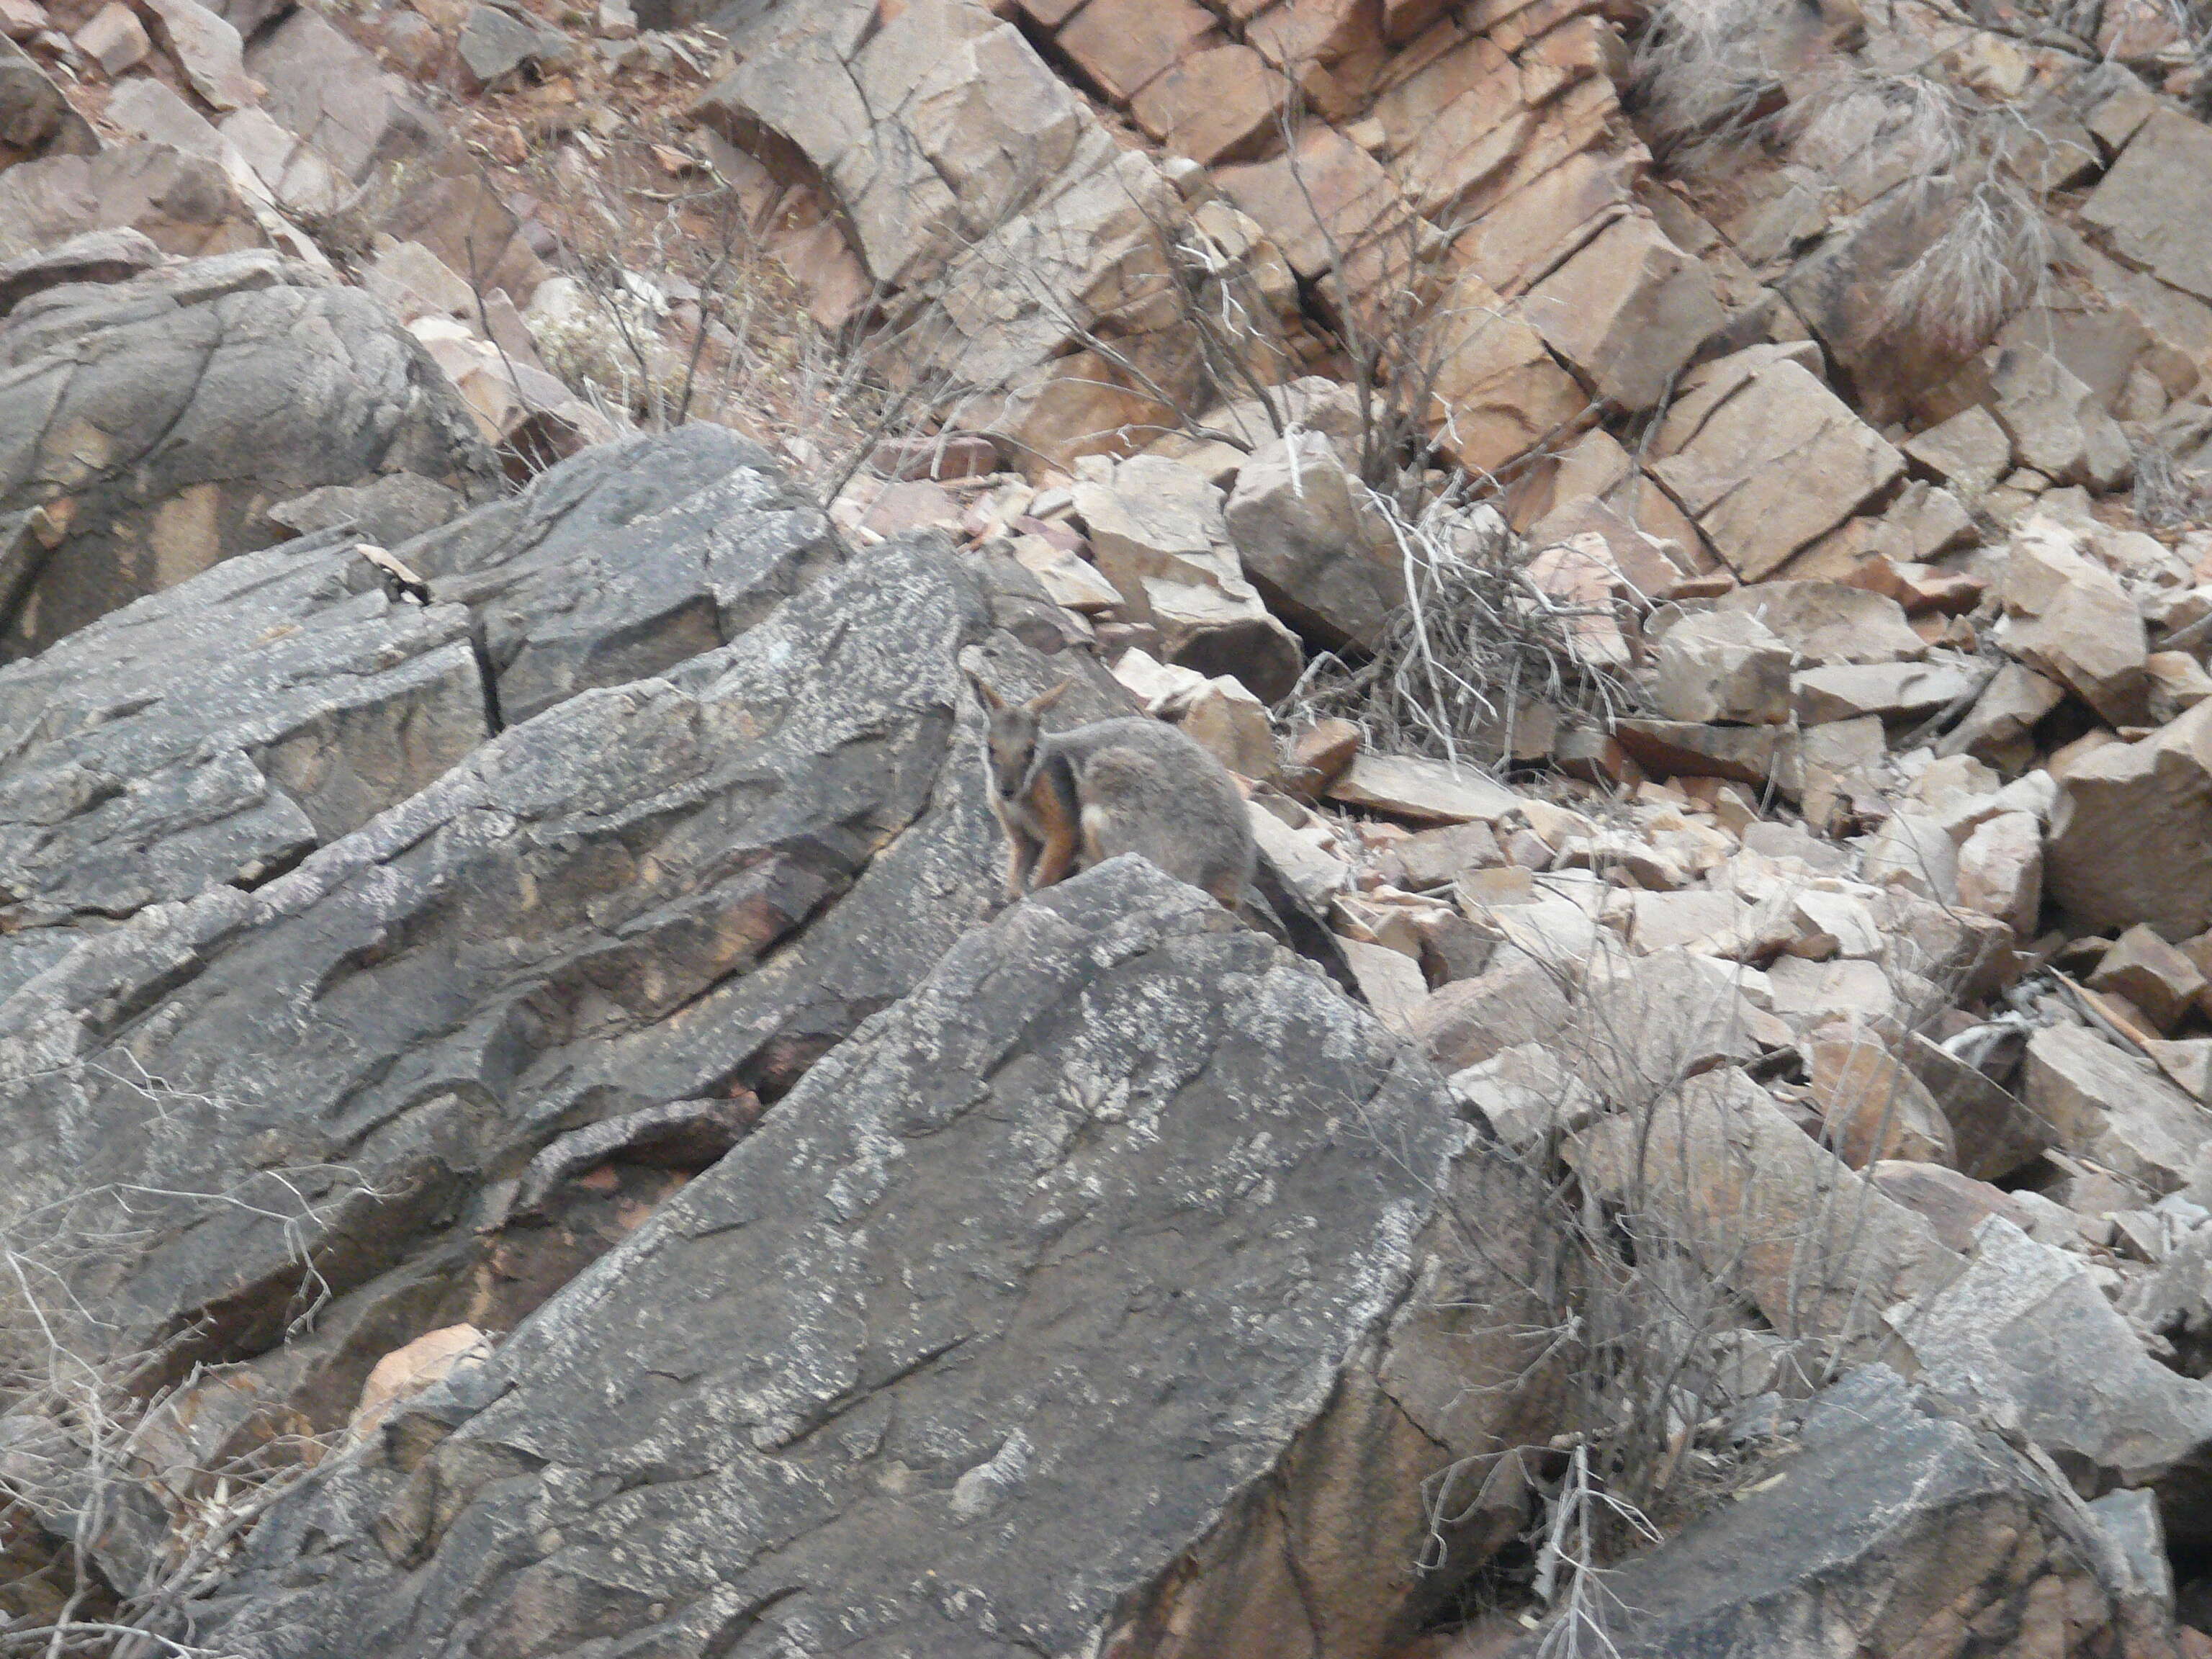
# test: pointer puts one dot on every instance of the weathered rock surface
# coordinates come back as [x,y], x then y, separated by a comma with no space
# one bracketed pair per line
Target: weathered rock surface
[1065,1309]
[155,421]
[608,907]
[1767,458]
[1894,1527]
[2113,1107]
[1313,544]
[2127,842]
[1724,666]
[2026,1329]
[217,731]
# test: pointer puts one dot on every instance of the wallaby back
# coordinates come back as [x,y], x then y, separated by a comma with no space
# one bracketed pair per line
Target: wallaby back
[1146,789]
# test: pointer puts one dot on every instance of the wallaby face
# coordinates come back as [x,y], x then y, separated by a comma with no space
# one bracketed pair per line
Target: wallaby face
[1012,737]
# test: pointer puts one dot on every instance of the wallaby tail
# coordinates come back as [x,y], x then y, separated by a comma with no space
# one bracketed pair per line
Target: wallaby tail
[1295,924]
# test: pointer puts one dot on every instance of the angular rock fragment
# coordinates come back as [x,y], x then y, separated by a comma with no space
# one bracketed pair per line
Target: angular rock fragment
[2127,841]
[1722,666]
[1768,460]
[1314,545]
[1872,1107]
[2155,977]
[1829,622]
[2114,1107]
[1894,1525]
[1763,1207]
[2025,1326]
[1893,691]
[2001,871]
[219,388]
[1157,533]
[1627,311]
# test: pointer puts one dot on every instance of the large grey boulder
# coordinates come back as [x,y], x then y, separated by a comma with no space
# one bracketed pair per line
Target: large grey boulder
[1071,1307]
[220,730]
[2025,1334]
[670,889]
[153,422]
[625,561]
[1893,1527]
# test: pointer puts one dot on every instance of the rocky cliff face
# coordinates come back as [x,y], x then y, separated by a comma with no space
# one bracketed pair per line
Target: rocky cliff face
[536,1129]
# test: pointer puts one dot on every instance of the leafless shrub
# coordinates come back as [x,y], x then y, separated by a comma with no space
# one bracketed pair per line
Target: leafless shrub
[1985,266]
[1478,652]
[2165,495]
[1703,1265]
[1700,76]
[106,1450]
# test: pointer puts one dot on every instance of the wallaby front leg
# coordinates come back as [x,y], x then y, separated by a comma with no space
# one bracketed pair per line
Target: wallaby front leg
[1021,859]
[1057,857]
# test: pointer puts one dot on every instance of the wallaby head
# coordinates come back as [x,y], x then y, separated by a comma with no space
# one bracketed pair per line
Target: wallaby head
[1013,733]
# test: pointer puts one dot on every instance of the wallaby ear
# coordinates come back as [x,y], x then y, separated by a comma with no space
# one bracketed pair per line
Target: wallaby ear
[991,700]
[1038,704]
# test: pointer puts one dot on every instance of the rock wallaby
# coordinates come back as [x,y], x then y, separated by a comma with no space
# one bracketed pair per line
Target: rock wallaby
[1070,799]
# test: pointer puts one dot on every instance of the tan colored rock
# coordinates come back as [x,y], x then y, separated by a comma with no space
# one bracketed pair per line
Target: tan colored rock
[1722,666]
[1998,729]
[1497,393]
[1391,983]
[1996,1135]
[1915,853]
[114,39]
[2115,1107]
[1766,1208]
[1627,312]
[430,1358]
[1955,1204]
[2127,844]
[1157,534]
[1892,691]
[1231,725]
[2001,871]
[1768,460]
[1920,588]
[207,48]
[1215,105]
[2154,976]
[1526,1093]
[1970,452]
[1808,994]
[1327,199]
[1687,749]
[2057,423]
[2067,616]
[1579,576]
[1304,859]
[1426,791]
[1319,551]
[1124,45]
[1437,858]
[1871,1107]
[2156,204]
[1319,754]
[1832,925]
[1516,1000]
[414,283]
[1828,623]
[1072,582]
[292,171]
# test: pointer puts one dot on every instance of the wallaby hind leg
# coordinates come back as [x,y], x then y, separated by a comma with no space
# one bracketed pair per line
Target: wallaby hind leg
[1053,809]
